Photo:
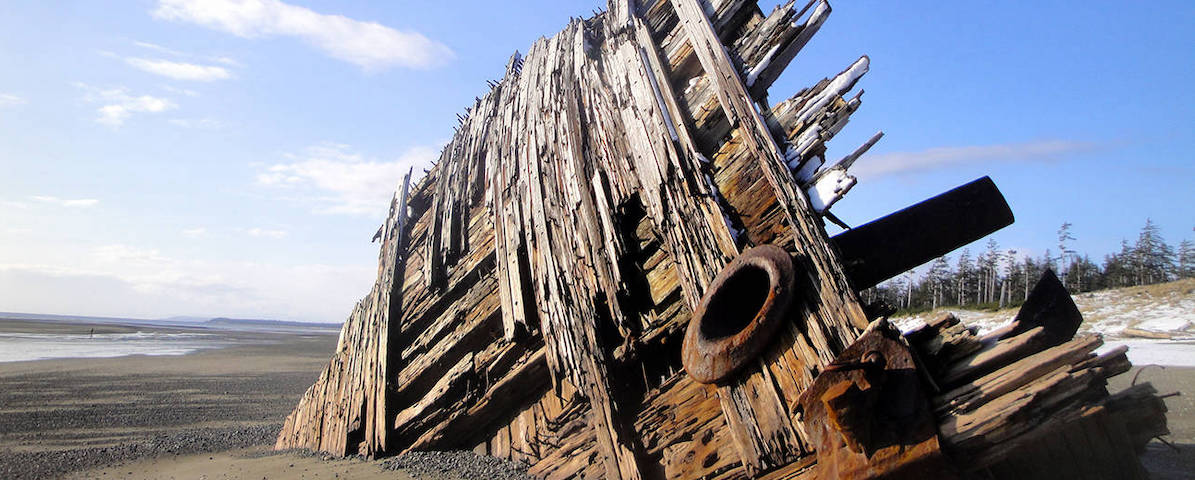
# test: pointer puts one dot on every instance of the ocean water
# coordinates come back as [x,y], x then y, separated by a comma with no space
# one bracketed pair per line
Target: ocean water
[17,347]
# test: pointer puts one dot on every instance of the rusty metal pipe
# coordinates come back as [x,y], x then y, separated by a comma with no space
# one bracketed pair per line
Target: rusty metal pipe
[738,314]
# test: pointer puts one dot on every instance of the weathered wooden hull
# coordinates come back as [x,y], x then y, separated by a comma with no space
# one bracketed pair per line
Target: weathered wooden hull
[535,286]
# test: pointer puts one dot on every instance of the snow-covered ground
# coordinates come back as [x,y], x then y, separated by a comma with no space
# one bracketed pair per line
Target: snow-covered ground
[1124,316]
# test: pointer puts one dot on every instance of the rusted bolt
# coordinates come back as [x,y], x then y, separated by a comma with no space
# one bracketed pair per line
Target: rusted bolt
[874,359]
[739,314]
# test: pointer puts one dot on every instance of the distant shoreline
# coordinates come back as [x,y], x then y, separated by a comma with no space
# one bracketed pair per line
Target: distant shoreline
[168,321]
[32,340]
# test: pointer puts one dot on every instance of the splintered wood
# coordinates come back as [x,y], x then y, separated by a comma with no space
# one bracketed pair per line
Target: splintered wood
[533,288]
[1016,407]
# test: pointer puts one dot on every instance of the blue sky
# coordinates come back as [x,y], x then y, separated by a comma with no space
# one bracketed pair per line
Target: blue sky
[221,158]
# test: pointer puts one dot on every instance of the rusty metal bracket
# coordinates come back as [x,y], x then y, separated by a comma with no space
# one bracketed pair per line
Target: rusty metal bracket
[868,417]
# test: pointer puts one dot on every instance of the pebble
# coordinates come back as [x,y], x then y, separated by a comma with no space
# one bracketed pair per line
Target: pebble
[464,464]
[50,464]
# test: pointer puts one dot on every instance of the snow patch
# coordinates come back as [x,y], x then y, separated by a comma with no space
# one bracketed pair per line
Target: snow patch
[840,85]
[1155,352]
[829,188]
[753,75]
[1109,313]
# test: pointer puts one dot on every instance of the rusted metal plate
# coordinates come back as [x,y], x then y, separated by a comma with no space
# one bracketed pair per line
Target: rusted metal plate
[868,417]
[1051,307]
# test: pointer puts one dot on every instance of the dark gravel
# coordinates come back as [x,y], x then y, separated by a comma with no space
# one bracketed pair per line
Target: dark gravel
[51,464]
[67,402]
[456,464]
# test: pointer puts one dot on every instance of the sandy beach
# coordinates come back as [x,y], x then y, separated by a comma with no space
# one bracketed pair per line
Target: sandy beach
[215,413]
[66,415]
[1176,460]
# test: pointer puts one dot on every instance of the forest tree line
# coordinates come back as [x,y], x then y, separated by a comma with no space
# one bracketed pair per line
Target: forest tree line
[998,278]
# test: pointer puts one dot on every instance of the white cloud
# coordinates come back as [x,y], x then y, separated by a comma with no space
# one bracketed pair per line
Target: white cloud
[195,232]
[341,181]
[370,45]
[945,157]
[128,280]
[180,70]
[180,91]
[267,233]
[64,202]
[200,123]
[10,100]
[119,105]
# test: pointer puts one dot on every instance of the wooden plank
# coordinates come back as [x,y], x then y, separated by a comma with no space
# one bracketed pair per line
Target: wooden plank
[759,423]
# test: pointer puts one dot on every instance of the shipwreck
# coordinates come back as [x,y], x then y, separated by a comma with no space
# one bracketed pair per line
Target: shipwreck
[619,268]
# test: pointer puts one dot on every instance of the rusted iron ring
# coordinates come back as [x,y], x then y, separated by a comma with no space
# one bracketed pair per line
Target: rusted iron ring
[739,314]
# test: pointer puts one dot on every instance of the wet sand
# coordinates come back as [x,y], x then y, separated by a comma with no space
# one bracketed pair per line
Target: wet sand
[1175,461]
[253,463]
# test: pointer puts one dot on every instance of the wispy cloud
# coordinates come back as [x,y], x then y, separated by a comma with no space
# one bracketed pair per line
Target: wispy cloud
[194,232]
[140,271]
[10,100]
[117,104]
[66,202]
[158,48]
[232,62]
[197,123]
[180,70]
[339,180]
[370,45]
[267,233]
[946,157]
[221,59]
[180,91]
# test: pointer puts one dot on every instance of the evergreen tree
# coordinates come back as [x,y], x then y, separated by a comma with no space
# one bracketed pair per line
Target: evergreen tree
[1065,254]
[908,283]
[987,263]
[938,278]
[1030,272]
[998,276]
[962,277]
[1118,267]
[1186,260]
[1047,262]
[1006,272]
[1085,274]
[1154,258]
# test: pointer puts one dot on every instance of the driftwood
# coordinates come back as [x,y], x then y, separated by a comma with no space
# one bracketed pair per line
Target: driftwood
[534,287]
